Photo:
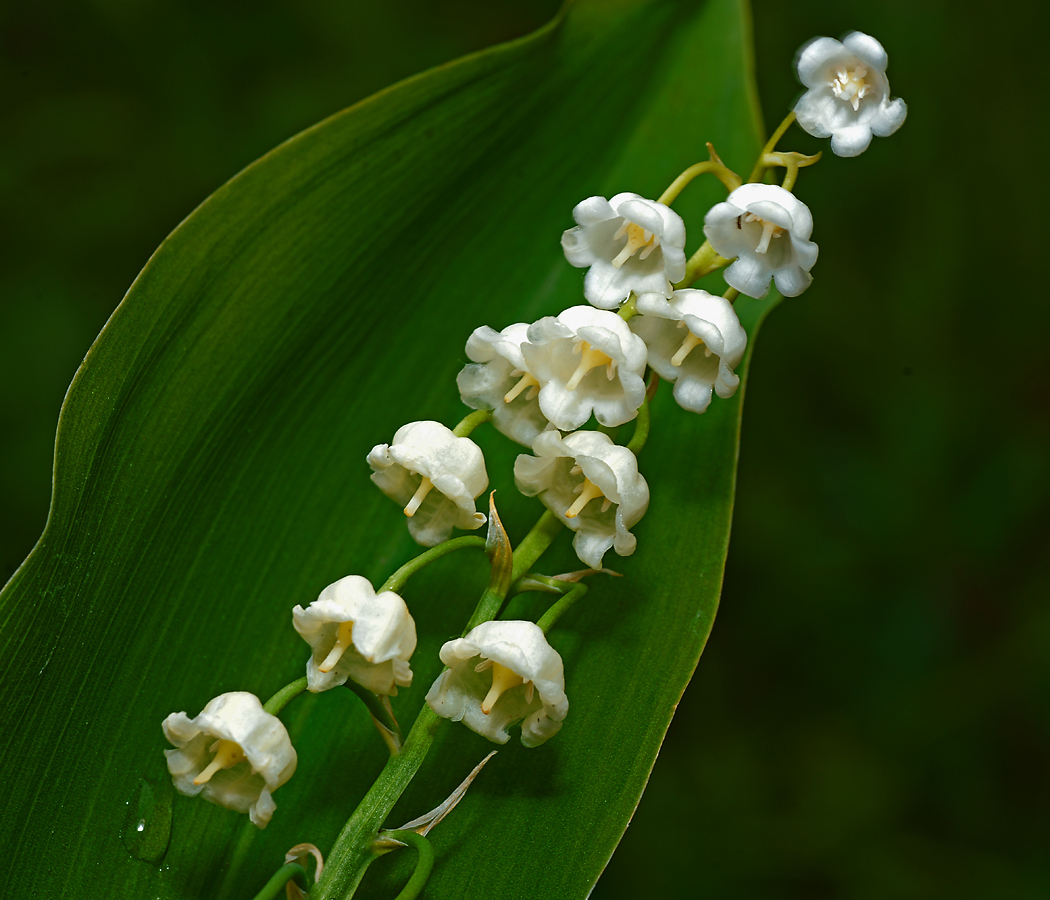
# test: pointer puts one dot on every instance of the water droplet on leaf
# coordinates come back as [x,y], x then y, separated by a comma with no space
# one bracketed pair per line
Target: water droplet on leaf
[147,824]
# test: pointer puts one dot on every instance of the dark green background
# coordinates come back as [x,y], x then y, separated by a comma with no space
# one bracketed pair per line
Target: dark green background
[871,715]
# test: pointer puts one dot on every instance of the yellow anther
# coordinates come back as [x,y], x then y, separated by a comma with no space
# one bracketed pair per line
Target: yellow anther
[525,381]
[343,642]
[503,679]
[227,753]
[418,497]
[637,238]
[589,359]
[588,491]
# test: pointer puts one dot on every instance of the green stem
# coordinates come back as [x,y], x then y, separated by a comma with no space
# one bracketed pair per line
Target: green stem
[280,878]
[701,263]
[352,853]
[628,311]
[285,696]
[724,174]
[424,862]
[731,294]
[468,423]
[760,166]
[641,428]
[488,608]
[560,607]
[396,581]
[533,545]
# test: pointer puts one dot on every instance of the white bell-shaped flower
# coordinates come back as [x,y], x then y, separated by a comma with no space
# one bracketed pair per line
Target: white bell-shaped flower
[499,674]
[358,634]
[234,754]
[628,244]
[766,229]
[498,379]
[592,485]
[695,340]
[435,475]
[586,361]
[849,95]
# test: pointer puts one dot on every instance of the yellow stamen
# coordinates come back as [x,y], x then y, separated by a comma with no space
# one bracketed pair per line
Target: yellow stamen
[589,359]
[418,497]
[588,491]
[503,679]
[227,753]
[637,238]
[526,381]
[343,641]
[687,345]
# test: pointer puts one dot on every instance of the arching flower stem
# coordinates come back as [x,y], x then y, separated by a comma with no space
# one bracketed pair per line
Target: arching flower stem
[424,861]
[561,606]
[701,263]
[714,165]
[396,581]
[275,886]
[628,310]
[774,138]
[285,696]
[471,421]
[641,426]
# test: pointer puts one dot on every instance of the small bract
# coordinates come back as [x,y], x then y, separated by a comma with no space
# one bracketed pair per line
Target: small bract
[766,229]
[499,380]
[695,340]
[355,633]
[435,475]
[592,485]
[586,361]
[234,754]
[849,95]
[500,673]
[628,244]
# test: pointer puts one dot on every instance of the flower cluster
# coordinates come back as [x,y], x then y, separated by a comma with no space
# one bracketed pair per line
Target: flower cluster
[559,386]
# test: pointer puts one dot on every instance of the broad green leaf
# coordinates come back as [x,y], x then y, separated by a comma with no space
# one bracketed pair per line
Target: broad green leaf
[209,474]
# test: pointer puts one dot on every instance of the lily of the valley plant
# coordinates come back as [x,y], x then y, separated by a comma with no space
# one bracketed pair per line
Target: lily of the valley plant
[559,387]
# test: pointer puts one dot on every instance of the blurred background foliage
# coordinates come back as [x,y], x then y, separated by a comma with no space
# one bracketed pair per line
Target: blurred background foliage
[870,717]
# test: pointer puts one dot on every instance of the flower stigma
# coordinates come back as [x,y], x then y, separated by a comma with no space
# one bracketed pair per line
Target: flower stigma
[637,238]
[227,753]
[503,679]
[419,496]
[769,230]
[588,491]
[343,641]
[526,381]
[589,359]
[687,345]
[851,86]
